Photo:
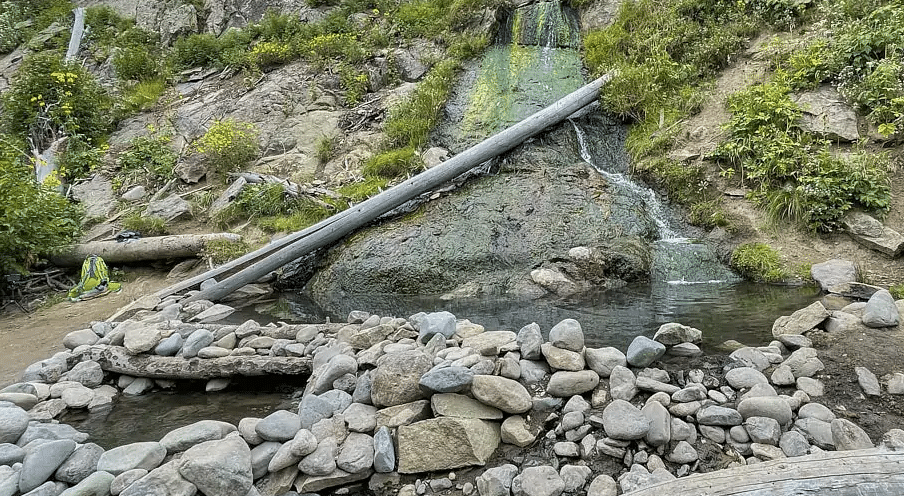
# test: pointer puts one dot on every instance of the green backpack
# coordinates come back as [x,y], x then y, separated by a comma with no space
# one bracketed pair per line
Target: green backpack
[95,280]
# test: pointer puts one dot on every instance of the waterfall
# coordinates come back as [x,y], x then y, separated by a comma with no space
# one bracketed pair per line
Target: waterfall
[676,259]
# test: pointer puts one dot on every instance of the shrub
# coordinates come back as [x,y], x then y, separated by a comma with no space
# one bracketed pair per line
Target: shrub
[135,63]
[229,144]
[142,95]
[354,83]
[421,18]
[758,262]
[325,148]
[267,54]
[80,158]
[11,14]
[49,98]
[33,219]
[146,225]
[393,164]
[148,159]
[410,122]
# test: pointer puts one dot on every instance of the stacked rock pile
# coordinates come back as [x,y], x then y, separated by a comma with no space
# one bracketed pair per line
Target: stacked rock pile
[389,397]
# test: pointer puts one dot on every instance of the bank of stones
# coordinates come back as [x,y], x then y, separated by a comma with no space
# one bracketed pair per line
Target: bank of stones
[394,400]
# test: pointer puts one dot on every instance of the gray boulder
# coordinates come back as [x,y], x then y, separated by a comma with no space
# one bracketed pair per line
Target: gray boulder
[562,359]
[847,435]
[435,323]
[660,430]
[868,381]
[146,455]
[88,373]
[41,461]
[80,464]
[719,415]
[763,430]
[11,454]
[794,443]
[335,368]
[515,430]
[447,380]
[564,384]
[800,321]
[397,377]
[356,454]
[322,461]
[870,232]
[766,406]
[201,338]
[165,479]
[98,483]
[261,456]
[622,383]
[567,335]
[185,437]
[13,423]
[603,360]
[643,351]
[445,443]
[279,426]
[529,340]
[745,377]
[384,451]
[603,485]
[673,333]
[622,420]
[458,405]
[497,481]
[221,467]
[881,310]
[169,346]
[540,481]
[505,394]
[826,113]
[293,451]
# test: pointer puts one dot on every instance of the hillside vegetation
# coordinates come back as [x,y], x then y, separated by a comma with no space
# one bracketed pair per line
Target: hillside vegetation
[666,54]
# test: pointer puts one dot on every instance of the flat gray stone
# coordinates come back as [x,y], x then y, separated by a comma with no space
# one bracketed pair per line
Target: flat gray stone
[80,464]
[397,376]
[322,461]
[447,380]
[766,406]
[356,454]
[162,480]
[95,484]
[384,451]
[622,383]
[603,360]
[564,384]
[745,377]
[870,232]
[200,338]
[719,415]
[291,452]
[497,481]
[643,351]
[146,455]
[847,435]
[794,443]
[540,481]
[88,373]
[458,405]
[763,430]
[505,394]
[622,420]
[13,423]
[41,461]
[816,431]
[182,438]
[673,333]
[125,479]
[833,272]
[868,381]
[529,340]
[221,467]
[279,426]
[683,452]
[435,323]
[562,359]
[515,430]
[800,321]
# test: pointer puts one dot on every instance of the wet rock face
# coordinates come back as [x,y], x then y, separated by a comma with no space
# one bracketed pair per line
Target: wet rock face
[494,230]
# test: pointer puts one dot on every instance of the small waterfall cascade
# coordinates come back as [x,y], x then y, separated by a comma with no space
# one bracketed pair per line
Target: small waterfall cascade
[676,259]
[533,62]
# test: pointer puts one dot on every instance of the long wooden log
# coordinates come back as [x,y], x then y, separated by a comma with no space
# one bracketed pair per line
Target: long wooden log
[877,472]
[117,359]
[136,250]
[344,223]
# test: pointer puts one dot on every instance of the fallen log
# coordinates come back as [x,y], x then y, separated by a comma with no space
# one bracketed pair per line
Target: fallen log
[117,359]
[344,223]
[137,250]
[876,471]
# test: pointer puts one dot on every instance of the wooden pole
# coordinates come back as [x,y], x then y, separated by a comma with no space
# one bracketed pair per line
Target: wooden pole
[875,471]
[137,250]
[340,225]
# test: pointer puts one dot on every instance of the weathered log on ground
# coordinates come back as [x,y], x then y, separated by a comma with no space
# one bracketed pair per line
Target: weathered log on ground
[331,230]
[137,250]
[117,359]
[877,472]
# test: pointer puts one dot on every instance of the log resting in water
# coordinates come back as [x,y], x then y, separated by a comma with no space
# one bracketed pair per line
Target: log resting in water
[331,230]
[117,359]
[876,471]
[141,249]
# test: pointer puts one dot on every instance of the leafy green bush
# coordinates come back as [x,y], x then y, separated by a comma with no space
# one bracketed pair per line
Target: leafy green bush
[49,98]
[229,144]
[135,63]
[142,95]
[354,83]
[105,26]
[148,159]
[80,158]
[146,225]
[393,164]
[33,219]
[421,18]
[11,14]
[758,262]
[709,214]
[794,174]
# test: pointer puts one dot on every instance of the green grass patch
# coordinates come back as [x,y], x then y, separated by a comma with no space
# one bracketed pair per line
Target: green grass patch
[220,251]
[759,262]
[410,122]
[362,190]
[393,164]
[146,225]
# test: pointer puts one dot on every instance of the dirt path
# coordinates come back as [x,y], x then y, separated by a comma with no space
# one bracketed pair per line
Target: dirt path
[28,338]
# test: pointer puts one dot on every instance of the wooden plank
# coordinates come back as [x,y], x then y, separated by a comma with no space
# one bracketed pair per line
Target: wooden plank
[344,223]
[873,472]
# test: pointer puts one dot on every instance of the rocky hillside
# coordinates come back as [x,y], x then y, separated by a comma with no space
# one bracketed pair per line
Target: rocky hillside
[264,117]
